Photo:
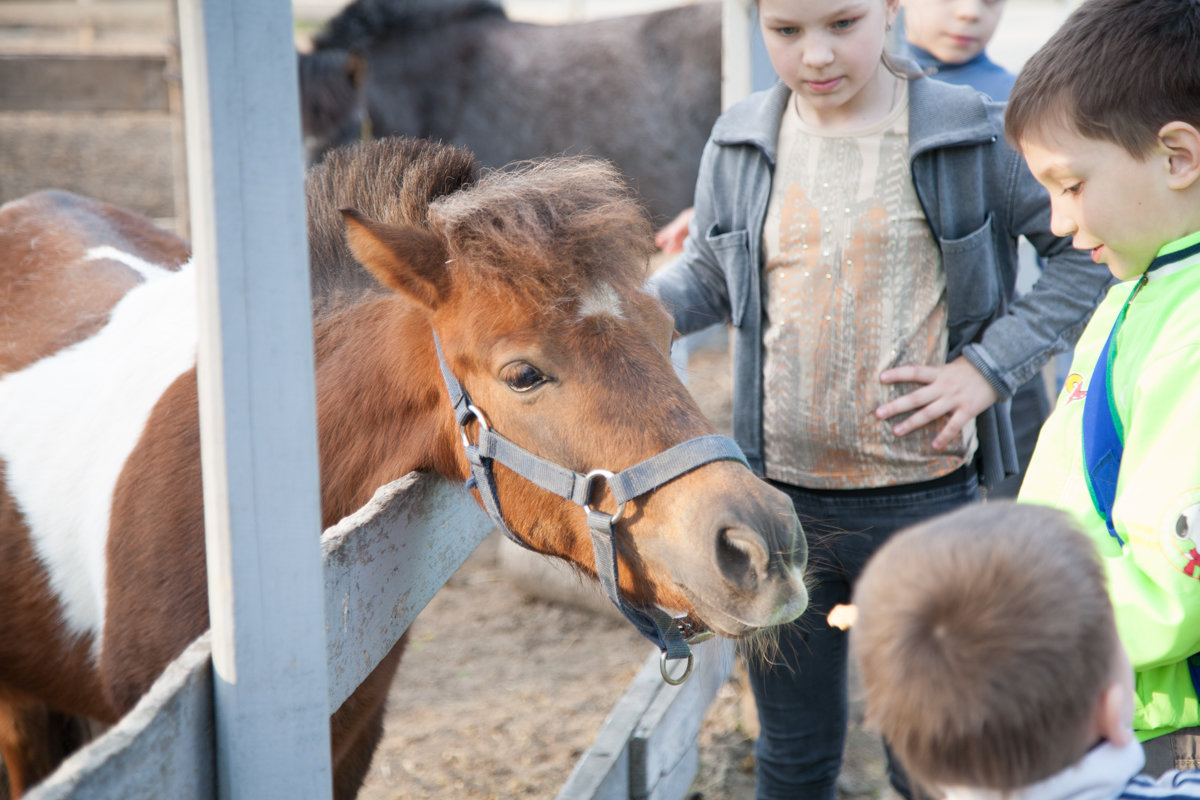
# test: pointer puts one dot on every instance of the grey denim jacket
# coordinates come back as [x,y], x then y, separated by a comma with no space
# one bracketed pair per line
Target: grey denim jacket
[978,196]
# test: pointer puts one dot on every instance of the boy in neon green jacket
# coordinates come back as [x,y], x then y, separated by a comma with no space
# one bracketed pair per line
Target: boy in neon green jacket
[1120,155]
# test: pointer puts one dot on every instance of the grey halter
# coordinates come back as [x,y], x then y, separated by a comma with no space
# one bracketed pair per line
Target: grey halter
[655,624]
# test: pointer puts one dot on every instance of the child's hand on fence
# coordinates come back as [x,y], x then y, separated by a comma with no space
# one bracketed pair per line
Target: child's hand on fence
[956,390]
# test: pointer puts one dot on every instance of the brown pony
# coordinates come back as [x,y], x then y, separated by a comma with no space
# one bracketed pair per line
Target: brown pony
[532,281]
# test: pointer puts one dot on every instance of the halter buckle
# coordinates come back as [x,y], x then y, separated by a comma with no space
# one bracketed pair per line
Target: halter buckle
[591,479]
[480,419]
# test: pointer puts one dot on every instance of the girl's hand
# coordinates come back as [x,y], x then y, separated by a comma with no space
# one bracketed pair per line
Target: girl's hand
[956,390]
[670,238]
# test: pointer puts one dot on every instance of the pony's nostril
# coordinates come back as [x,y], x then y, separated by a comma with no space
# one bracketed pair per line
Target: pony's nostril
[742,558]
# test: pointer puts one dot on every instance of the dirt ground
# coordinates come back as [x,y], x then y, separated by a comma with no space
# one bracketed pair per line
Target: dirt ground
[500,691]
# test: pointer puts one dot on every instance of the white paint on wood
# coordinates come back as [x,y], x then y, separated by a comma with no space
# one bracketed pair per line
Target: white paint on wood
[603,772]
[647,747]
[735,51]
[162,748]
[257,399]
[384,563]
[663,749]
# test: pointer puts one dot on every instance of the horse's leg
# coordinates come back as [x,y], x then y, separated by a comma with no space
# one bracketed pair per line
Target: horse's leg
[34,740]
[357,726]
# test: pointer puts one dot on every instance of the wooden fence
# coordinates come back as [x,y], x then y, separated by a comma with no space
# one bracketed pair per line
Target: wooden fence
[382,565]
[83,113]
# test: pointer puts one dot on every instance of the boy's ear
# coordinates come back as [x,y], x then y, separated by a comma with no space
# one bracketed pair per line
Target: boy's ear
[1181,143]
[892,9]
[1113,721]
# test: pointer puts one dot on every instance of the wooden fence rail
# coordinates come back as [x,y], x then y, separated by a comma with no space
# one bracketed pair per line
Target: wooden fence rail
[382,566]
[648,747]
[137,14]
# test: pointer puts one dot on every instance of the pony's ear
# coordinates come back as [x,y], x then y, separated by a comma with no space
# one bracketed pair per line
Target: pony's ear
[405,258]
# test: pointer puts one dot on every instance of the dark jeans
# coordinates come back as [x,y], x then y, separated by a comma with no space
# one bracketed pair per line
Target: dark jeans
[802,697]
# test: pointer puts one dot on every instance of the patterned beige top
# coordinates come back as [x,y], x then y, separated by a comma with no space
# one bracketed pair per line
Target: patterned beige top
[853,284]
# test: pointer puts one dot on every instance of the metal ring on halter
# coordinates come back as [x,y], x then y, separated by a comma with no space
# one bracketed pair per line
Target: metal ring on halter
[608,476]
[666,675]
[479,418]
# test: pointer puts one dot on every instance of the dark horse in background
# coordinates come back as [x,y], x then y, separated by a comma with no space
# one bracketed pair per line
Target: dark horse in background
[641,91]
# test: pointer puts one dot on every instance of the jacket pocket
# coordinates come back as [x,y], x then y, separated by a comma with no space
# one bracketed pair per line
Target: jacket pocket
[732,251]
[972,276]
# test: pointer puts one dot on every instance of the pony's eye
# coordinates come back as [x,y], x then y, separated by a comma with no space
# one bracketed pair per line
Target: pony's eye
[522,377]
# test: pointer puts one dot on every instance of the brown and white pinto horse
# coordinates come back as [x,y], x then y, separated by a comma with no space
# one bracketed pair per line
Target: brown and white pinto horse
[531,278]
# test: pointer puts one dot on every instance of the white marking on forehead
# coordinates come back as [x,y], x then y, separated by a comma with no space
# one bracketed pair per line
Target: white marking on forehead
[72,419]
[602,300]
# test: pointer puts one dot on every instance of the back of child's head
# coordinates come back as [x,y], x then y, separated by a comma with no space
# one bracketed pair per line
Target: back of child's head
[985,639]
[1116,71]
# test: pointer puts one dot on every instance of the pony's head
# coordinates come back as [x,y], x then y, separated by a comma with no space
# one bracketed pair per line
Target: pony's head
[532,279]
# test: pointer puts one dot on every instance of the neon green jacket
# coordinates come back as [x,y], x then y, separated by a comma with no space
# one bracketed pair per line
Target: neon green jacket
[1154,579]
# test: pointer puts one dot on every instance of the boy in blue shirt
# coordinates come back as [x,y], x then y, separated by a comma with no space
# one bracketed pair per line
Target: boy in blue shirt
[949,39]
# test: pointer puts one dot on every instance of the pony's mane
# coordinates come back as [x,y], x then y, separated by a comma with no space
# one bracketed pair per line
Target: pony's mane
[550,228]
[391,180]
[364,20]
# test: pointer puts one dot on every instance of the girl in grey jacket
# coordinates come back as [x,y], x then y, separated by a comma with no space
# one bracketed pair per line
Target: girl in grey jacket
[787,271]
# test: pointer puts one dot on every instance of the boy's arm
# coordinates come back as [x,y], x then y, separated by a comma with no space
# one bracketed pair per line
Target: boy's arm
[693,285]
[1155,581]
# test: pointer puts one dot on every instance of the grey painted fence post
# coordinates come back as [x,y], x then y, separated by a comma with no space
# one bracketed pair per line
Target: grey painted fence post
[257,402]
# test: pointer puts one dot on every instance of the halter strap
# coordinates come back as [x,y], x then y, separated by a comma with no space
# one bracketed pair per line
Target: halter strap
[646,476]
[1103,434]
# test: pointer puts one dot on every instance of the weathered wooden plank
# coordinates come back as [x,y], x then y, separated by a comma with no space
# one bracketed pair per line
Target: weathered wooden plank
[51,82]
[386,560]
[255,380]
[139,14]
[664,743]
[603,772]
[162,748]
[95,157]
[675,784]
[384,563]
[735,50]
[647,747]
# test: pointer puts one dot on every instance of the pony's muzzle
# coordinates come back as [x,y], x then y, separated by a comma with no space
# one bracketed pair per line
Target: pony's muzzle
[742,566]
